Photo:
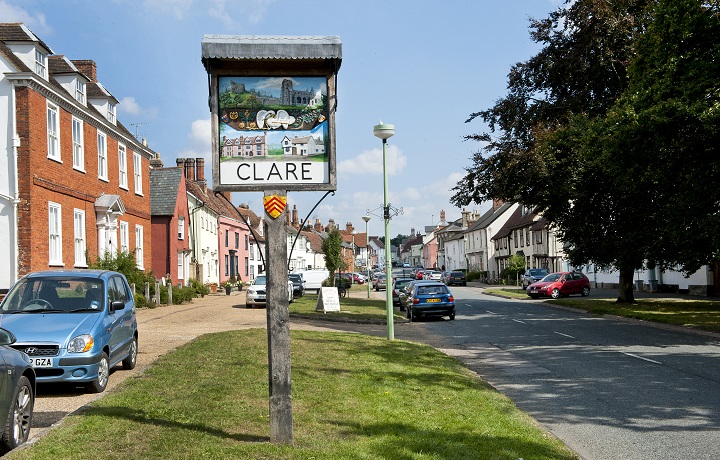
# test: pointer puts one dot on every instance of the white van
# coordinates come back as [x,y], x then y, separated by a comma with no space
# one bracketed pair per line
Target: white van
[314,278]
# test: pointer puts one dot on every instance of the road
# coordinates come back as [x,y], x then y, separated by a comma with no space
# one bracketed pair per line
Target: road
[610,389]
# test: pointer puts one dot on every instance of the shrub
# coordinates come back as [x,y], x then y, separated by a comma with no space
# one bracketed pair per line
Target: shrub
[472,276]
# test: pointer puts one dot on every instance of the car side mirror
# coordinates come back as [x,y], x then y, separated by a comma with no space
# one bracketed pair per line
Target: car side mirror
[6,337]
[117,305]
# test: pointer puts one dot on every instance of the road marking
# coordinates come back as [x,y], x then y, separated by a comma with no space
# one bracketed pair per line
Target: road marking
[518,321]
[640,357]
[491,312]
[564,335]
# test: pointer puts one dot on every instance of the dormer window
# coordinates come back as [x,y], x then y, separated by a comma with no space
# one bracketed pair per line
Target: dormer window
[80,91]
[111,113]
[40,64]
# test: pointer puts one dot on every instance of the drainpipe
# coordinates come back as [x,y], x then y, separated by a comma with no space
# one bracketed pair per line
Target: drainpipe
[16,199]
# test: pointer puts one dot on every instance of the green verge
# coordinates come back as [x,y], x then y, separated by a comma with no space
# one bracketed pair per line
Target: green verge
[351,308]
[354,397]
[694,313]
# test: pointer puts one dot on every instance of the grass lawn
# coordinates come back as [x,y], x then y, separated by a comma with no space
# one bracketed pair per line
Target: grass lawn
[353,308]
[354,397]
[694,313]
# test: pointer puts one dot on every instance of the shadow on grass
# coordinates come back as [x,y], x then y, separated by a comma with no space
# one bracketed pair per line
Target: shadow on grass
[405,441]
[143,418]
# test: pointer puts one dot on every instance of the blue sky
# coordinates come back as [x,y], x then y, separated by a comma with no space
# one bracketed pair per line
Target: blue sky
[421,65]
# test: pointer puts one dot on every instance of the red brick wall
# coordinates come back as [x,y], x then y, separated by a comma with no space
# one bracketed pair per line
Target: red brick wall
[42,180]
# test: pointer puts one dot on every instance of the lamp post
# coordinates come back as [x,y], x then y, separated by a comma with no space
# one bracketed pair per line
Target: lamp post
[353,254]
[384,132]
[367,253]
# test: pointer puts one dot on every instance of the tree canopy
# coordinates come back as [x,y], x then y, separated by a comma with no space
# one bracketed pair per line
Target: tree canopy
[332,248]
[611,131]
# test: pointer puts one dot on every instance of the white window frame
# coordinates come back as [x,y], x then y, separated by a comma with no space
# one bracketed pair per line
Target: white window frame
[139,248]
[181,265]
[137,171]
[111,113]
[54,234]
[80,245]
[124,237]
[78,138]
[181,228]
[40,63]
[122,161]
[53,131]
[80,91]
[102,156]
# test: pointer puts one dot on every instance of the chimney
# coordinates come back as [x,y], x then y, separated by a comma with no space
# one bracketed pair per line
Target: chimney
[318,225]
[190,169]
[88,68]
[287,217]
[200,168]
[442,215]
[156,162]
[465,218]
[227,195]
[349,227]
[497,203]
[412,233]
[295,219]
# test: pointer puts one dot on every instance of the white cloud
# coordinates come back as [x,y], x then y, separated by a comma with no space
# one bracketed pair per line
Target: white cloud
[371,162]
[36,23]
[200,136]
[130,106]
[177,8]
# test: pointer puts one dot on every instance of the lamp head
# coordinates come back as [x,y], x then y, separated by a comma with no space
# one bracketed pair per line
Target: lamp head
[384,130]
[366,219]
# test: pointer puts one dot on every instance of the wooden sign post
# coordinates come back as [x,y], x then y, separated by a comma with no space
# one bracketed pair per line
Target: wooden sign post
[278,320]
[272,102]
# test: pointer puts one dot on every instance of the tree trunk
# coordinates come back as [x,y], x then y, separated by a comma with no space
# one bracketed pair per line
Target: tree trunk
[625,294]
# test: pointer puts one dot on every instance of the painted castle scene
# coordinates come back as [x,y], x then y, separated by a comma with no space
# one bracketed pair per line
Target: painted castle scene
[273,118]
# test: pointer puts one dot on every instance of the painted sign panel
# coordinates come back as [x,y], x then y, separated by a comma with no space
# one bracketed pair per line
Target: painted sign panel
[273,130]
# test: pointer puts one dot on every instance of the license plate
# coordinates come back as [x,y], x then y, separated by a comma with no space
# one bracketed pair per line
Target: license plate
[432,300]
[41,362]
[533,291]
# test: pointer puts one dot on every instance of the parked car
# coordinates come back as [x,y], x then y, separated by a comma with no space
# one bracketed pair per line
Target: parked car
[397,285]
[419,274]
[433,275]
[257,292]
[406,265]
[17,394]
[358,278]
[560,284]
[405,291]
[456,277]
[75,325]
[430,299]
[533,275]
[298,284]
[314,279]
[380,282]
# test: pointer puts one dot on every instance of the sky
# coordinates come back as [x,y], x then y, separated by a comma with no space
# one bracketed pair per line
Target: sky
[421,65]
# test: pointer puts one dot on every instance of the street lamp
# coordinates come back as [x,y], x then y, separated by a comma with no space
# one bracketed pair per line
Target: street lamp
[384,132]
[367,253]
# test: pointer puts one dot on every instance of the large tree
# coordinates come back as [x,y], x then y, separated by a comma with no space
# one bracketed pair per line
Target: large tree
[611,131]
[332,248]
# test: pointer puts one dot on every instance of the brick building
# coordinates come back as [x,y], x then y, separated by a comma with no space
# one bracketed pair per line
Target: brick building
[74,182]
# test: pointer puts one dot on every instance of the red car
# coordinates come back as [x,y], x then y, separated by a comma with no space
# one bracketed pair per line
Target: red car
[560,284]
[419,274]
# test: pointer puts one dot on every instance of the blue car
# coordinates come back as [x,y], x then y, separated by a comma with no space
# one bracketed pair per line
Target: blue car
[429,299]
[75,325]
[17,394]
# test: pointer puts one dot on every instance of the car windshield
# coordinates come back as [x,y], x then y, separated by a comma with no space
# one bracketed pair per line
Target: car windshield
[457,273]
[433,289]
[295,277]
[259,280]
[55,294]
[552,277]
[538,272]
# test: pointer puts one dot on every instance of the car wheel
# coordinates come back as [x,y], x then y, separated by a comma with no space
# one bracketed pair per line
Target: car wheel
[247,305]
[129,362]
[464,284]
[586,291]
[100,383]
[555,294]
[17,425]
[411,315]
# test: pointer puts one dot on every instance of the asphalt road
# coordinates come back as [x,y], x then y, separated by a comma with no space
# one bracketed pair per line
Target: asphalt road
[610,389]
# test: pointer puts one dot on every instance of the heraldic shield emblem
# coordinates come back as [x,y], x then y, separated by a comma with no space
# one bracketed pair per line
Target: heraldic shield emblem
[274,205]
